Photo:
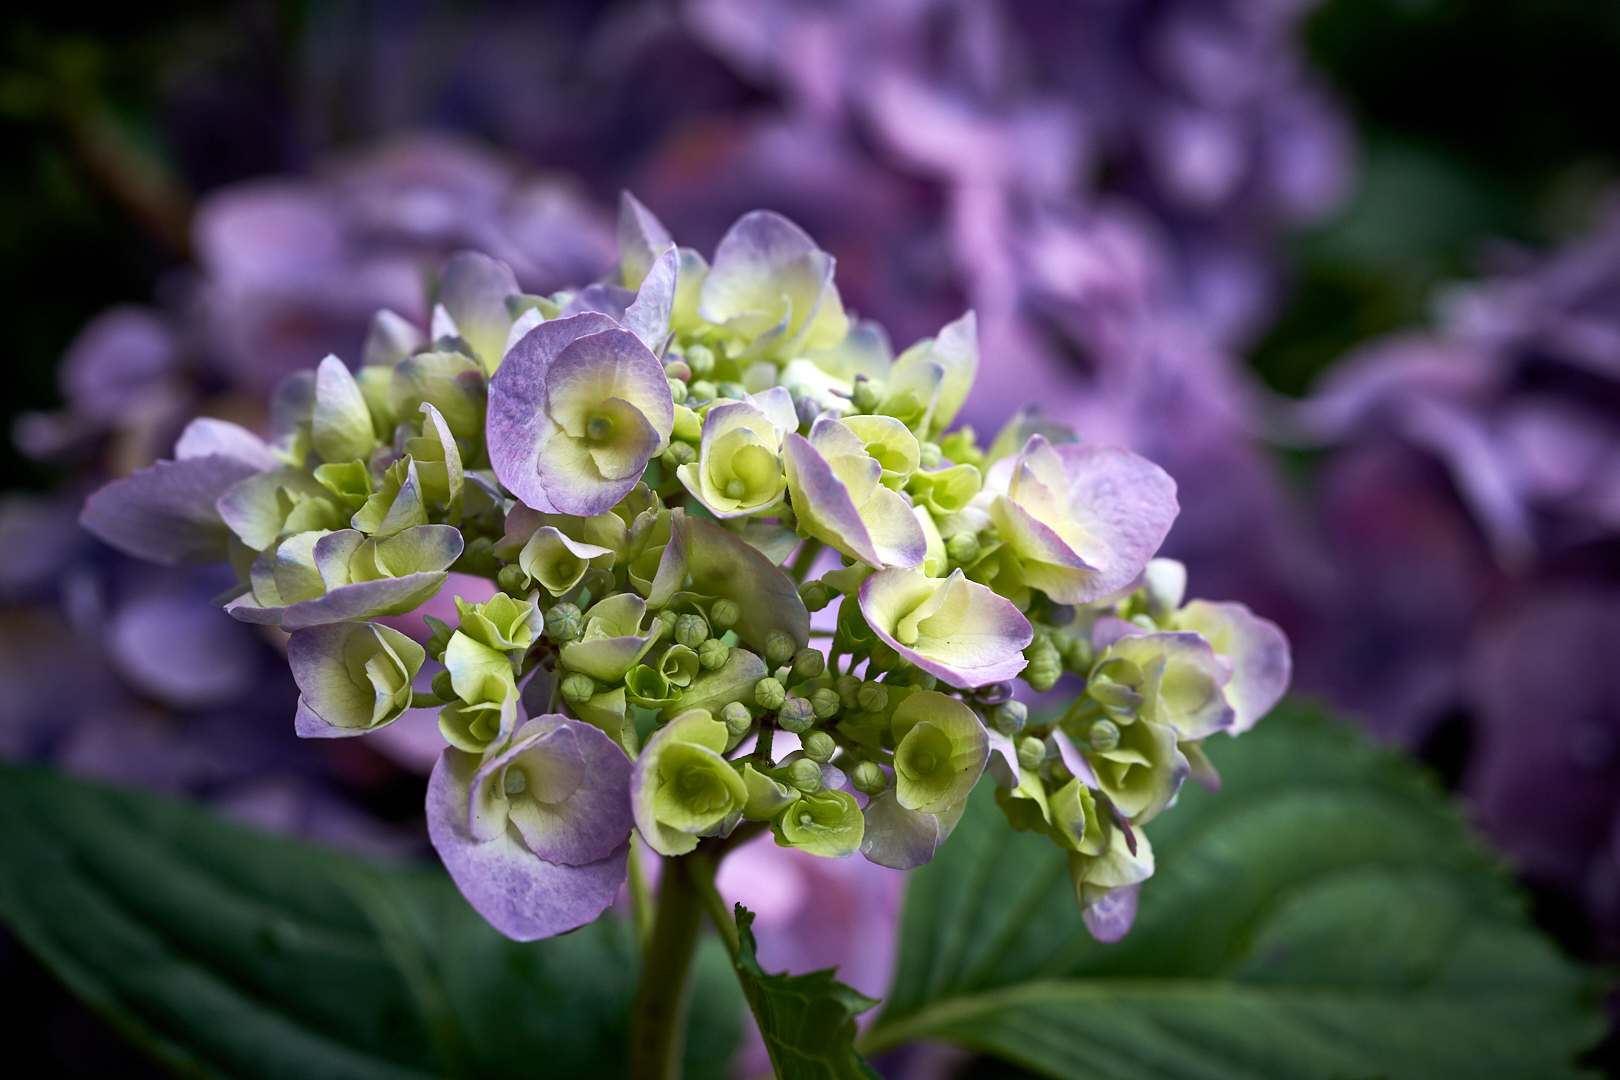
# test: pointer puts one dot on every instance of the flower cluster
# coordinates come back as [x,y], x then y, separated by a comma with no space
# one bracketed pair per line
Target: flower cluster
[632,463]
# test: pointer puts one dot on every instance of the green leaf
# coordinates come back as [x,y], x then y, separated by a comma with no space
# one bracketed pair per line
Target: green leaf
[229,953]
[1326,915]
[807,1021]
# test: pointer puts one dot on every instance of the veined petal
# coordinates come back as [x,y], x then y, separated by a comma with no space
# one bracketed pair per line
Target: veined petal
[955,629]
[166,513]
[1258,649]
[473,288]
[823,503]
[648,315]
[896,837]
[520,894]
[362,600]
[206,435]
[642,239]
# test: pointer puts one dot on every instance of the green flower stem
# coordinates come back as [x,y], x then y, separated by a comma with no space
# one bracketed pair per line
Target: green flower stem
[664,997]
[641,900]
[804,560]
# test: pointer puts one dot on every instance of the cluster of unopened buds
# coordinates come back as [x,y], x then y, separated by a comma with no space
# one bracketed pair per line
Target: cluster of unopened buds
[633,464]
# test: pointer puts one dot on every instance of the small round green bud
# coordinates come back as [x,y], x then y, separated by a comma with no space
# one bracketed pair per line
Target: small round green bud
[865,394]
[678,454]
[872,696]
[442,687]
[691,630]
[713,653]
[808,663]
[677,368]
[1061,614]
[1045,666]
[796,715]
[869,778]
[825,702]
[737,718]
[677,390]
[700,359]
[804,775]
[1058,772]
[513,580]
[816,594]
[578,688]
[1010,718]
[733,390]
[962,549]
[701,390]
[1103,736]
[884,657]
[849,687]
[564,622]
[819,746]
[668,617]
[769,694]
[780,647]
[1031,752]
[921,679]
[930,455]
[724,614]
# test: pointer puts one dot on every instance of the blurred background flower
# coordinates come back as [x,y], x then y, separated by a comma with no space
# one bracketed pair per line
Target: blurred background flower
[1350,271]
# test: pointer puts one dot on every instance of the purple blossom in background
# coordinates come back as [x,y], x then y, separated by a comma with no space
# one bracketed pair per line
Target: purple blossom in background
[1471,502]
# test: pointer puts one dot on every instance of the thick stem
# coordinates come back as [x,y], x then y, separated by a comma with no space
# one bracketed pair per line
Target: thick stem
[658,1024]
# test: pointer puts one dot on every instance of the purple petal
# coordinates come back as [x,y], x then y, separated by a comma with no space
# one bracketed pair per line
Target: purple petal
[166,513]
[473,288]
[1110,918]
[896,837]
[517,424]
[205,436]
[723,565]
[519,893]
[361,600]
[642,238]
[594,820]
[648,317]
[826,506]
[1123,500]
[1261,662]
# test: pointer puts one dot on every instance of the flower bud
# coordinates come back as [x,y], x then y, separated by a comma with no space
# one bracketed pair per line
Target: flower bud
[865,394]
[512,579]
[1010,717]
[1045,666]
[869,778]
[678,454]
[677,390]
[691,630]
[440,636]
[713,653]
[804,775]
[1031,752]
[736,391]
[825,702]
[996,693]
[724,614]
[921,679]
[816,594]
[769,694]
[848,690]
[819,746]
[701,390]
[962,549]
[700,359]
[780,647]
[1103,736]
[930,455]
[884,657]
[676,368]
[872,696]
[564,622]
[442,688]
[808,663]
[796,715]
[737,718]
[578,688]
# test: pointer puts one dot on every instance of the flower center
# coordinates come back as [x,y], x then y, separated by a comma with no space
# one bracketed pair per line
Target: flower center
[514,783]
[735,488]
[598,428]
